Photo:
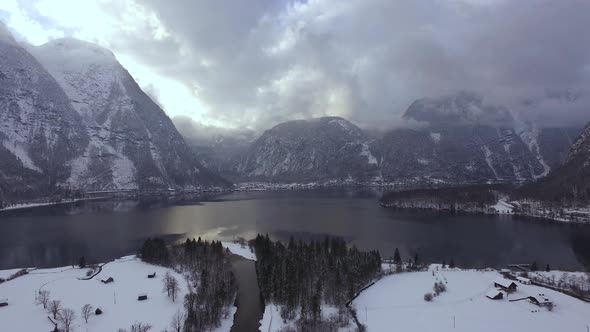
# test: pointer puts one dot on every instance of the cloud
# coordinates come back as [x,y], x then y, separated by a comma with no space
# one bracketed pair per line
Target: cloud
[255,63]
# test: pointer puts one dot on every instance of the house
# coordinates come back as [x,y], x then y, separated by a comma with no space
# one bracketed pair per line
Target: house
[3,302]
[540,300]
[506,285]
[152,276]
[524,280]
[495,294]
[98,311]
[142,297]
[108,281]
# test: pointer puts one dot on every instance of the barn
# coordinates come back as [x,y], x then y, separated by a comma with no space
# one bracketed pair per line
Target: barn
[495,294]
[142,297]
[3,302]
[540,300]
[505,285]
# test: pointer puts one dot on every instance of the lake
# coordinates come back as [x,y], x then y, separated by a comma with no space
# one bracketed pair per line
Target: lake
[102,230]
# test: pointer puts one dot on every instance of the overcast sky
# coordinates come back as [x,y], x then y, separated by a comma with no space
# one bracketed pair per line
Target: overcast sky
[253,63]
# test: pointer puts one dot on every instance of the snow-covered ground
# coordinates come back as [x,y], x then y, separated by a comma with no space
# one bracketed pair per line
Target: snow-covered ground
[397,302]
[240,250]
[32,205]
[117,300]
[272,321]
[503,207]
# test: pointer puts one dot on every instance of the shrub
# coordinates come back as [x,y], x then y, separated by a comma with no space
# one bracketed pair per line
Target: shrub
[428,297]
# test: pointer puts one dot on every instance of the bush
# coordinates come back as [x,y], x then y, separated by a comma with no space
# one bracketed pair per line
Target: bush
[89,272]
[428,297]
[439,287]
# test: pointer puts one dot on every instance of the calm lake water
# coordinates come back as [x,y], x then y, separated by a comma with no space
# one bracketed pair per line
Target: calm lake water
[100,231]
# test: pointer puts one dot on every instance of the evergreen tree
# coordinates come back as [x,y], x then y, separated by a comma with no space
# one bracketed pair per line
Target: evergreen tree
[534,266]
[547,268]
[452,264]
[397,258]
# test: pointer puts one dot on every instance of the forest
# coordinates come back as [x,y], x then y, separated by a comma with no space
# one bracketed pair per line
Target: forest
[474,198]
[301,277]
[213,286]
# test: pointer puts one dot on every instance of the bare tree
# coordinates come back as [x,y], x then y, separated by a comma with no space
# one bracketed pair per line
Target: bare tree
[66,318]
[54,307]
[87,311]
[43,298]
[177,321]
[170,286]
[140,327]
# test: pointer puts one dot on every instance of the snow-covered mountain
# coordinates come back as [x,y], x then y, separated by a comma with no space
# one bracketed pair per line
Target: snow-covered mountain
[40,132]
[71,115]
[327,148]
[569,183]
[465,139]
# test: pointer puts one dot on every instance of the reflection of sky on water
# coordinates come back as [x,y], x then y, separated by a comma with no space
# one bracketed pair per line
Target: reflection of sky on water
[100,231]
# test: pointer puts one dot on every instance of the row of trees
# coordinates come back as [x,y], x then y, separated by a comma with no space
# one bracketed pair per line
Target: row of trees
[303,276]
[64,317]
[474,198]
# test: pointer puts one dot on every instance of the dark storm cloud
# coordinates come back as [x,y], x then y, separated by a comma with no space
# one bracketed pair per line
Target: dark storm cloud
[256,63]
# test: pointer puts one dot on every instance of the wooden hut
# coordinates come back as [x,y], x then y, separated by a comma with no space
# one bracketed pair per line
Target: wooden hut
[3,302]
[495,294]
[98,312]
[142,297]
[152,276]
[108,281]
[506,285]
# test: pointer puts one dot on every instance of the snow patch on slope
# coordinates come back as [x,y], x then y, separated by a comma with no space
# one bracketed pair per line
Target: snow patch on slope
[19,150]
[435,137]
[488,155]
[371,160]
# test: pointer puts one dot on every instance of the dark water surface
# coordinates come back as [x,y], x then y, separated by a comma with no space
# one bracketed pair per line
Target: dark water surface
[248,301]
[100,231]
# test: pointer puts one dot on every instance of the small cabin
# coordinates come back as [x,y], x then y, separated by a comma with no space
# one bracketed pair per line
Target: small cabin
[495,294]
[540,300]
[3,302]
[98,312]
[142,297]
[523,280]
[152,276]
[108,281]
[505,285]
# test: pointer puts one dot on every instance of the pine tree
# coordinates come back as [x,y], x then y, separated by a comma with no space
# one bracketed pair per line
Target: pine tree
[534,266]
[397,258]
[547,268]
[416,260]
[452,264]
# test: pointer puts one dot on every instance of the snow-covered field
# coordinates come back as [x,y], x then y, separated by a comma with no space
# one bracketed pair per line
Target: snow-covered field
[117,300]
[397,302]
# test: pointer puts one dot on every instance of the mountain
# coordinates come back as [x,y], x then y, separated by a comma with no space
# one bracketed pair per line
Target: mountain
[132,143]
[464,139]
[321,149]
[570,183]
[40,132]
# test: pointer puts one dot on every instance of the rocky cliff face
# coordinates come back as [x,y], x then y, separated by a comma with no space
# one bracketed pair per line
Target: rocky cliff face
[72,117]
[132,143]
[568,184]
[40,132]
[310,150]
[465,140]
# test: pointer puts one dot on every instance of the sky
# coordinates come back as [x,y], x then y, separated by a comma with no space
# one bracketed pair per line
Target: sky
[252,64]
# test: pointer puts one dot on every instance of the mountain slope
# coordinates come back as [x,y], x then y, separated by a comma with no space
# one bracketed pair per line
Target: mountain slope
[466,140]
[569,183]
[40,132]
[132,143]
[319,149]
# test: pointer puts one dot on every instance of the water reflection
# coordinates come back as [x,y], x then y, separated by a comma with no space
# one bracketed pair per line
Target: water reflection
[59,235]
